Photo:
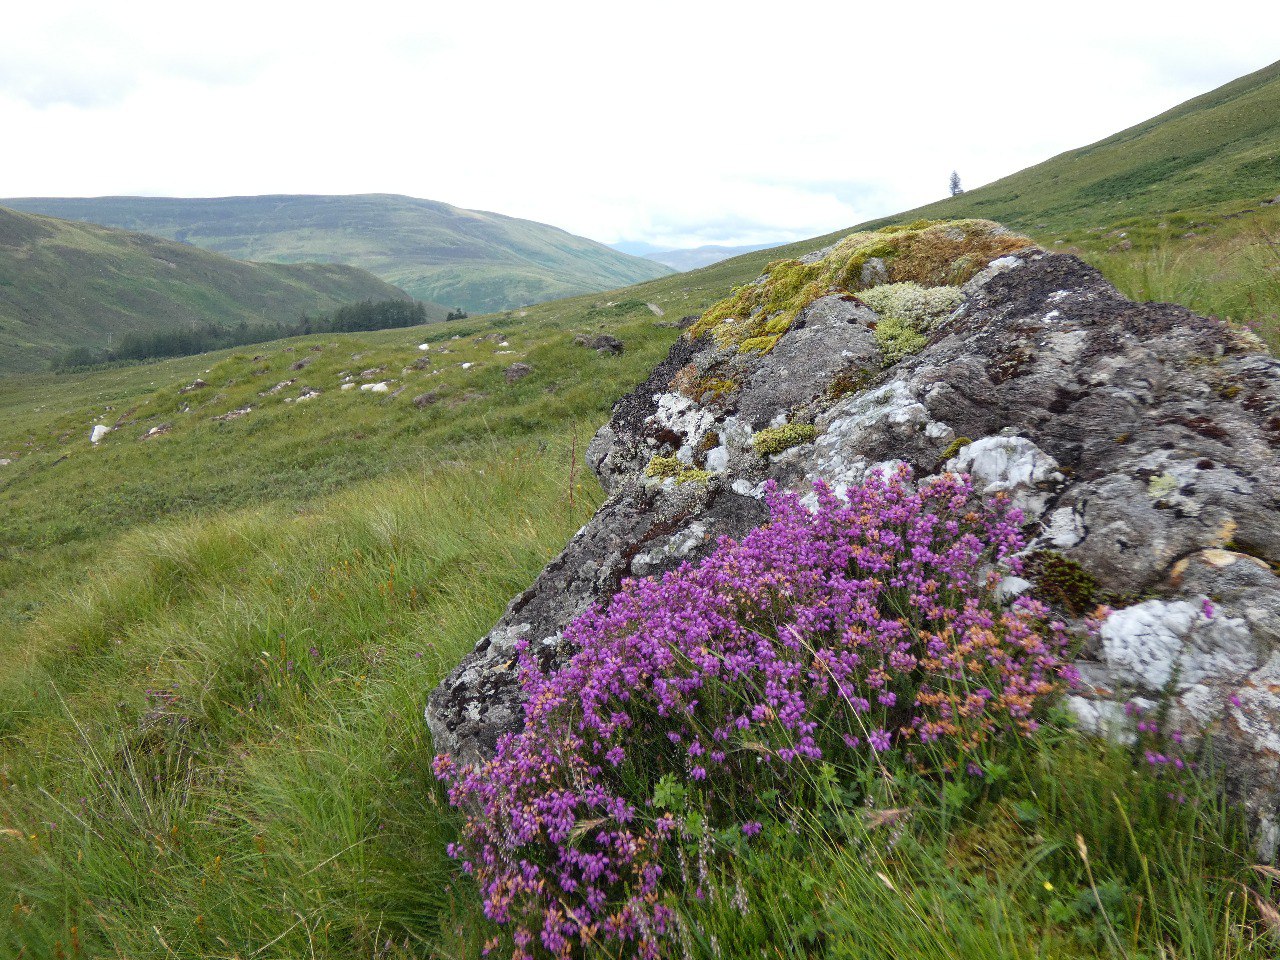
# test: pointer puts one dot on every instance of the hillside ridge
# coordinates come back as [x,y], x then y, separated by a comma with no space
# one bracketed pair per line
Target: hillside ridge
[65,284]
[479,260]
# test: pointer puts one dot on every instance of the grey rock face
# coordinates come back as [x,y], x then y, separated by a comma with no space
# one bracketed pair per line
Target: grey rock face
[1140,441]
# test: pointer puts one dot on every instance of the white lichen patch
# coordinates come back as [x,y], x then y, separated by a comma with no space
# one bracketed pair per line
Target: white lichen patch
[1013,466]
[1159,642]
[921,307]
[853,423]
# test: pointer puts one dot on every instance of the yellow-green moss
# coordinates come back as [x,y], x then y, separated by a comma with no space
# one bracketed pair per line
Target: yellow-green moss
[693,476]
[1161,485]
[923,307]
[672,468]
[927,253]
[716,387]
[954,447]
[898,339]
[663,467]
[758,344]
[776,439]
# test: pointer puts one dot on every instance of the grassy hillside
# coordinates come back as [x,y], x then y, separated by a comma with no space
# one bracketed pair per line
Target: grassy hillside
[469,258]
[219,628]
[1217,153]
[68,284]
[218,638]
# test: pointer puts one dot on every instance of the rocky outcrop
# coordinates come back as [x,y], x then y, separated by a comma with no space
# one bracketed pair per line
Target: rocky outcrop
[1140,440]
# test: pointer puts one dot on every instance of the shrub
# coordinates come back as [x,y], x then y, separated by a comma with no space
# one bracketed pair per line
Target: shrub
[831,639]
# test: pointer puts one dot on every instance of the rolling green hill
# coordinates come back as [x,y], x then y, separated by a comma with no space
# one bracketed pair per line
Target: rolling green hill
[68,284]
[1218,150]
[479,261]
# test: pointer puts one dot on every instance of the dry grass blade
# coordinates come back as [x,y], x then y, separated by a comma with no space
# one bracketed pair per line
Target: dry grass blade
[1267,911]
[1267,871]
[882,818]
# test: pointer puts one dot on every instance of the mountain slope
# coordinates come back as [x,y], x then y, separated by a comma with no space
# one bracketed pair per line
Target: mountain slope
[72,284]
[1219,148]
[480,261]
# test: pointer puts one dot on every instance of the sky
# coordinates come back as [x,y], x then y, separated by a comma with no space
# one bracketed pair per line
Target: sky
[666,124]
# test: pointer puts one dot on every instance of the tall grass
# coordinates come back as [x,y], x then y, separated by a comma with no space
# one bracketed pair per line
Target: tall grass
[1072,851]
[1237,279]
[217,750]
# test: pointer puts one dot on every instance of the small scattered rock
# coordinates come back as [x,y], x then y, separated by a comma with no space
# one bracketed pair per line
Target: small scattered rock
[301,364]
[382,386]
[196,384]
[5,461]
[306,393]
[278,387]
[424,346]
[517,371]
[426,399]
[97,433]
[157,431]
[601,343]
[1120,247]
[233,414]
[371,372]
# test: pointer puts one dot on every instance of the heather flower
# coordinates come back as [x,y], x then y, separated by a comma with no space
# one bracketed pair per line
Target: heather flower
[823,639]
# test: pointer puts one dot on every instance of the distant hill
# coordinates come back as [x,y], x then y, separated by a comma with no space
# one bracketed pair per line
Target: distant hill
[1221,147]
[72,284]
[482,262]
[695,257]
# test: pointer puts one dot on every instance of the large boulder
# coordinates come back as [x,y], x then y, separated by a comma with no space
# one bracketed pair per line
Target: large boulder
[1139,439]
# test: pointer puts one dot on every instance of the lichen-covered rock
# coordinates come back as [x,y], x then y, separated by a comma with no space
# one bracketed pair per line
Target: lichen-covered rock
[1140,441]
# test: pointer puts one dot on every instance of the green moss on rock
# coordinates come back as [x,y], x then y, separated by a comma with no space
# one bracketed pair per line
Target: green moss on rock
[954,447]
[1062,581]
[925,253]
[663,467]
[672,468]
[898,339]
[776,439]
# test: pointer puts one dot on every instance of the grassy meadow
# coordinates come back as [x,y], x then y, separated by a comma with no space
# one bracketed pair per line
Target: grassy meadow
[218,639]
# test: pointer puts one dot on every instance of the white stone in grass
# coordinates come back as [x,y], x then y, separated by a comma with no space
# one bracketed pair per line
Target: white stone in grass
[98,432]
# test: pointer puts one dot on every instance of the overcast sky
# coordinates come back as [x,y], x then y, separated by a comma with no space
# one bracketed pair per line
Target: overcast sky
[675,124]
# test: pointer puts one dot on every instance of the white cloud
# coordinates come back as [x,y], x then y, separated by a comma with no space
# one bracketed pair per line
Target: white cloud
[678,124]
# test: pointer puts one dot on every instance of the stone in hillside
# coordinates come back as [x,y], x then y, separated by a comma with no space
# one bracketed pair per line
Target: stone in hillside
[97,433]
[196,384]
[1139,439]
[601,343]
[426,399]
[517,372]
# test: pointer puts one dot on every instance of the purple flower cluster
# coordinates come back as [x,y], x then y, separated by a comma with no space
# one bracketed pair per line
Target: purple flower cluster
[828,636]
